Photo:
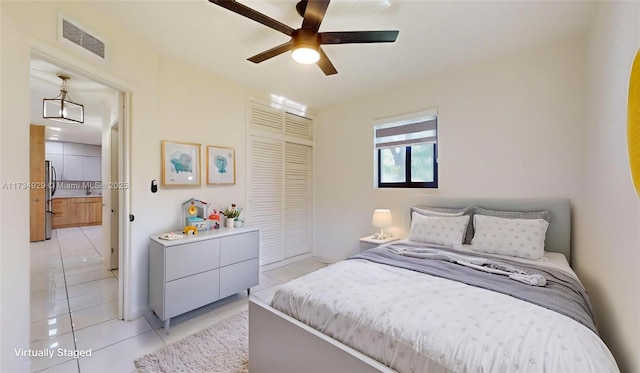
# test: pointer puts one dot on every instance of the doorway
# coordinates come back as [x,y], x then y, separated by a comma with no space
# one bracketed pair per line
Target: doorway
[114,253]
[110,239]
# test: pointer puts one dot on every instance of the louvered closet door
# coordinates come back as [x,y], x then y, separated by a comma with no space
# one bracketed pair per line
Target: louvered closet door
[297,202]
[280,182]
[266,195]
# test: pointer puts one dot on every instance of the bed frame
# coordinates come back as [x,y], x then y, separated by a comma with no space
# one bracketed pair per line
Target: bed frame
[279,343]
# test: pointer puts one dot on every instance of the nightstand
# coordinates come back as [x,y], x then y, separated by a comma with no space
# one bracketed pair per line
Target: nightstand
[369,242]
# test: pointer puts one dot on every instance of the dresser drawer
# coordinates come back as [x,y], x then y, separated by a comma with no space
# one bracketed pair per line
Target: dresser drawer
[191,292]
[238,277]
[238,248]
[191,258]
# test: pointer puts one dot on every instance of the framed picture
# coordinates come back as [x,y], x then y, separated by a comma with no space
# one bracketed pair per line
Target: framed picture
[180,164]
[221,165]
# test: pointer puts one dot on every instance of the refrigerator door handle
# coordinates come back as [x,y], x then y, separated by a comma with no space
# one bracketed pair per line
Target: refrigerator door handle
[55,181]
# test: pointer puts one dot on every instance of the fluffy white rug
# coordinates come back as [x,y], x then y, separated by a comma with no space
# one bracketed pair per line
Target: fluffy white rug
[221,348]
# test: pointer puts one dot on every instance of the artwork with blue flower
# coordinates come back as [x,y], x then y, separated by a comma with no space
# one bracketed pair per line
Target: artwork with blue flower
[180,163]
[221,166]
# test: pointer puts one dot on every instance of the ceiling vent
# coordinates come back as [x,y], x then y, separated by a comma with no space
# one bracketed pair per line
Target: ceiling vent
[70,31]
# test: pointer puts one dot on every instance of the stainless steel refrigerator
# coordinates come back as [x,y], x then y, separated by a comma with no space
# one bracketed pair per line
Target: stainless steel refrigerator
[50,180]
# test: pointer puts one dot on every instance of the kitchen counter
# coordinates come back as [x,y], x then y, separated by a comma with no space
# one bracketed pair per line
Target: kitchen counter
[79,196]
[76,211]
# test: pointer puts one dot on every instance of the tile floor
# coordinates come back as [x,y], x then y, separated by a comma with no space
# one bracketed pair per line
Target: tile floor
[74,306]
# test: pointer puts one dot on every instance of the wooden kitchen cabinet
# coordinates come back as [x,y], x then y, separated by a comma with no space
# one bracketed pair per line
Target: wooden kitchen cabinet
[77,212]
[59,208]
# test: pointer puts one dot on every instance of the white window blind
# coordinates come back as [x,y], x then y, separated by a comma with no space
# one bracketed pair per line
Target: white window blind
[280,193]
[406,134]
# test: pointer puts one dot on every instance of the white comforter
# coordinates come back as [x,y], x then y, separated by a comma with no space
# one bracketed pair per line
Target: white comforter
[414,322]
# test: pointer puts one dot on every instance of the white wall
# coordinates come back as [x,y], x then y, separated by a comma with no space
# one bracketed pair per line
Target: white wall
[608,229]
[511,127]
[169,101]
[193,107]
[14,221]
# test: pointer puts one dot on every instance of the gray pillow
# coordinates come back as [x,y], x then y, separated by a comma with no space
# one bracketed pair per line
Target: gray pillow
[545,215]
[444,211]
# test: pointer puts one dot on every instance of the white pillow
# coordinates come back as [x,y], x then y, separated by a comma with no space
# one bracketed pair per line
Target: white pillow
[523,238]
[441,230]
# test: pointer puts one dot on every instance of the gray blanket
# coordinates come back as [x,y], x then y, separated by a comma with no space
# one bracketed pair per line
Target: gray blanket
[562,292]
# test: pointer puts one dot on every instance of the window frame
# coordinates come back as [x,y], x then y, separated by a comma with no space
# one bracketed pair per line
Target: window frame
[381,142]
[407,164]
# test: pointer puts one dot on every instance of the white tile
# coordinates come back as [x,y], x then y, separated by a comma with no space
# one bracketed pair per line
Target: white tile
[89,276]
[183,329]
[94,315]
[56,275]
[51,327]
[92,299]
[187,323]
[294,270]
[104,285]
[119,357]
[46,285]
[78,270]
[64,341]
[79,253]
[47,310]
[264,282]
[82,262]
[70,366]
[49,295]
[110,332]
[232,305]
[266,295]
[45,265]
[153,320]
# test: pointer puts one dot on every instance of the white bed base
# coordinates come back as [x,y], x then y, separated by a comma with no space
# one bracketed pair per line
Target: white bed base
[279,343]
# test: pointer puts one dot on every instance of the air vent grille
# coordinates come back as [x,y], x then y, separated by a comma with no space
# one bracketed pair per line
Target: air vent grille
[83,39]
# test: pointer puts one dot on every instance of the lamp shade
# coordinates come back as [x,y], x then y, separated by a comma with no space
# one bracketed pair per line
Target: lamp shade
[61,108]
[381,218]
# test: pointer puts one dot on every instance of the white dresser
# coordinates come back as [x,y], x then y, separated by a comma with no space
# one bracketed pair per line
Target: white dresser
[196,270]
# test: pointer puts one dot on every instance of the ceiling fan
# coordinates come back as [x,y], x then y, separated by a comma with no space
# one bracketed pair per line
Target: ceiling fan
[305,42]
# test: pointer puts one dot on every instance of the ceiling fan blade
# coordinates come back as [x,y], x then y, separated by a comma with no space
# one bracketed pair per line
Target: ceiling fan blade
[351,37]
[245,11]
[325,64]
[314,14]
[271,52]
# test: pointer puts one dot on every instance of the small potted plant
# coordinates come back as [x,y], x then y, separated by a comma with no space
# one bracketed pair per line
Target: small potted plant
[231,214]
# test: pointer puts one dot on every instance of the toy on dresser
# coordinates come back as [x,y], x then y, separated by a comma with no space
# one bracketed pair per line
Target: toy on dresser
[214,220]
[194,214]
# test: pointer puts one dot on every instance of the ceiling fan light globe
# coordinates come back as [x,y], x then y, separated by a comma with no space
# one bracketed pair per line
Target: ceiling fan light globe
[305,55]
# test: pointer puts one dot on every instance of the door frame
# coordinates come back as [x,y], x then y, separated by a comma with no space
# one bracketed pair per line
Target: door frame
[59,57]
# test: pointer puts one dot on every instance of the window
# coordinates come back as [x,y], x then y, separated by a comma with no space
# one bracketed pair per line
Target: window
[407,151]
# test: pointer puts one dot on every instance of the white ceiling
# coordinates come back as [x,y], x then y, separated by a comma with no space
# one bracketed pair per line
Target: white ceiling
[96,98]
[434,36]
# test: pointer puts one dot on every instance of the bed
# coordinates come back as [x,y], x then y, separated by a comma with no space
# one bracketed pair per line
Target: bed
[415,306]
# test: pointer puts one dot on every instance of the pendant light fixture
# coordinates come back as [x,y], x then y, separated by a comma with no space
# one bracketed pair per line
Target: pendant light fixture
[61,108]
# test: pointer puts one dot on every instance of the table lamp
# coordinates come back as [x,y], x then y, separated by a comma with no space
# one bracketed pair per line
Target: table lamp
[381,218]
